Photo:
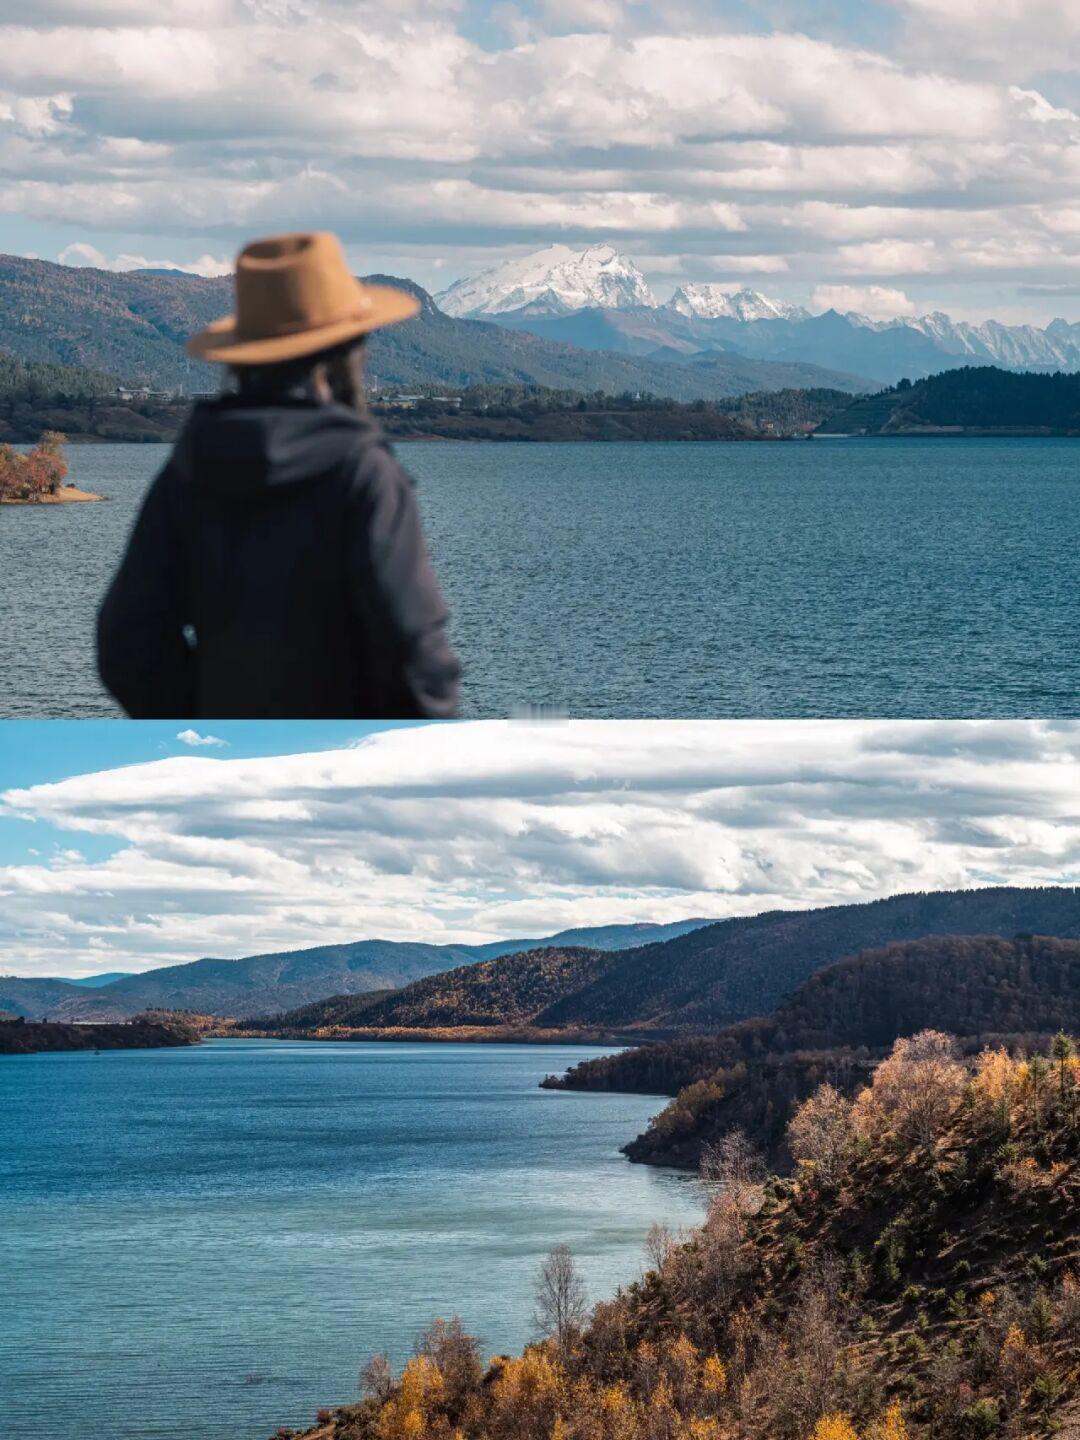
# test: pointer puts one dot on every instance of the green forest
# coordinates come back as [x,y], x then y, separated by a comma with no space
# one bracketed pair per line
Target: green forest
[979,399]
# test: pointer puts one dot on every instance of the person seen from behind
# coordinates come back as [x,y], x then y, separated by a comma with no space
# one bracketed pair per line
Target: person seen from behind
[278,568]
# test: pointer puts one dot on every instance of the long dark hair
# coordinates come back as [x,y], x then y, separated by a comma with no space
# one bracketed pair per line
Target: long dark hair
[296,379]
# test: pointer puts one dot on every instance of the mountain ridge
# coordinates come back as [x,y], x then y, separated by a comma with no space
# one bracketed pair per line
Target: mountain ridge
[282,980]
[133,325]
[704,316]
[711,976]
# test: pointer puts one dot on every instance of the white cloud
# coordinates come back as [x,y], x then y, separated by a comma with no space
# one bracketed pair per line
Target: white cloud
[878,302]
[890,257]
[746,264]
[80,252]
[660,127]
[479,830]
[195,740]
[646,124]
[1008,37]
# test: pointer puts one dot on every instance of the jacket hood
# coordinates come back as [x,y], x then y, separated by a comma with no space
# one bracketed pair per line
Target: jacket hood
[234,448]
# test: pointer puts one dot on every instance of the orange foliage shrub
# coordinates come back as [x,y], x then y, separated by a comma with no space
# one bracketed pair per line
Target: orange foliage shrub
[39,472]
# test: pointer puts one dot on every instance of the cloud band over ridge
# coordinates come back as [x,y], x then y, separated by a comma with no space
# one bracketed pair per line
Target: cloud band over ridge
[450,135]
[486,829]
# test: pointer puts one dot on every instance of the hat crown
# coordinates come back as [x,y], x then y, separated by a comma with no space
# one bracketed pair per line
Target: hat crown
[291,283]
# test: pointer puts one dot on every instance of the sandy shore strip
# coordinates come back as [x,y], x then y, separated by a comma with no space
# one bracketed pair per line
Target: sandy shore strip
[67,494]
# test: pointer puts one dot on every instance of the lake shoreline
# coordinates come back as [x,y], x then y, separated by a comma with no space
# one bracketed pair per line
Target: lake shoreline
[446,1035]
[37,1037]
[350,1194]
[66,495]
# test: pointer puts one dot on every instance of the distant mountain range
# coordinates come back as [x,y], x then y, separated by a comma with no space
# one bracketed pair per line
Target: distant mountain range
[94,982]
[598,299]
[266,984]
[133,325]
[700,981]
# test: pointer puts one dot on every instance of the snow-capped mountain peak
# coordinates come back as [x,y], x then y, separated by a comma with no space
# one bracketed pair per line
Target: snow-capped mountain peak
[554,281]
[716,302]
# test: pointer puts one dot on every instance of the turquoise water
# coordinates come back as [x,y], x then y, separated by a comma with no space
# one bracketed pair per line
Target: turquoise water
[206,1243]
[922,578]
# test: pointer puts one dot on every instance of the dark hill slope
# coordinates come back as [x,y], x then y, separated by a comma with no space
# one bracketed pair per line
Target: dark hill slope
[739,968]
[133,325]
[969,985]
[509,991]
[709,977]
[975,398]
[751,1074]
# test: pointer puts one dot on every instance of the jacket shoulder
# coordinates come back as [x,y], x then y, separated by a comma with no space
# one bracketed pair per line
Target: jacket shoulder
[370,463]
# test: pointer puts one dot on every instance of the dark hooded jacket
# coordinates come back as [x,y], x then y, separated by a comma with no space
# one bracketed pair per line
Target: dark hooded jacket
[278,570]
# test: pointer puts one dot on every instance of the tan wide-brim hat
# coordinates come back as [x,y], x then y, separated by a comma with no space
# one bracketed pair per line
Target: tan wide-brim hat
[296,296]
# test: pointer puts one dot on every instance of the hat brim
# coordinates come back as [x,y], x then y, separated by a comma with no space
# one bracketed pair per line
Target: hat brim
[219,341]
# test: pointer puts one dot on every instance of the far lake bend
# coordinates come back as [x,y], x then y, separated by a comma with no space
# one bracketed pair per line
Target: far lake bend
[911,577]
[208,1242]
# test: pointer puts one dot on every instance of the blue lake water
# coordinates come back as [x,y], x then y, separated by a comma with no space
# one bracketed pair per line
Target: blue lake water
[208,1242]
[871,577]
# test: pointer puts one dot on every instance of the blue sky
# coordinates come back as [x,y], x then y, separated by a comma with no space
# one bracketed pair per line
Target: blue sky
[36,752]
[122,848]
[900,156]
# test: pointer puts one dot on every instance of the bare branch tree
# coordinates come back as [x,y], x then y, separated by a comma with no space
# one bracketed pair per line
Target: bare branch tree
[733,1171]
[915,1091]
[659,1243]
[377,1378]
[561,1306]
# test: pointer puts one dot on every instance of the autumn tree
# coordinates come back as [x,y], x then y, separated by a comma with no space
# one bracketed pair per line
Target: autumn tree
[834,1427]
[822,1133]
[916,1091]
[456,1355]
[38,473]
[407,1413]
[995,1084]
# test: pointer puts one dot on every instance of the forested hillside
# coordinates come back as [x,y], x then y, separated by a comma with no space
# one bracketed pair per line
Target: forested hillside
[751,1074]
[281,980]
[975,398]
[145,1032]
[133,325]
[918,1277]
[509,991]
[718,973]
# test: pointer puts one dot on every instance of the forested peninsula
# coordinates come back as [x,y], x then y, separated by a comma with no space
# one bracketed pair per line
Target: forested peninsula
[974,400]
[145,1032]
